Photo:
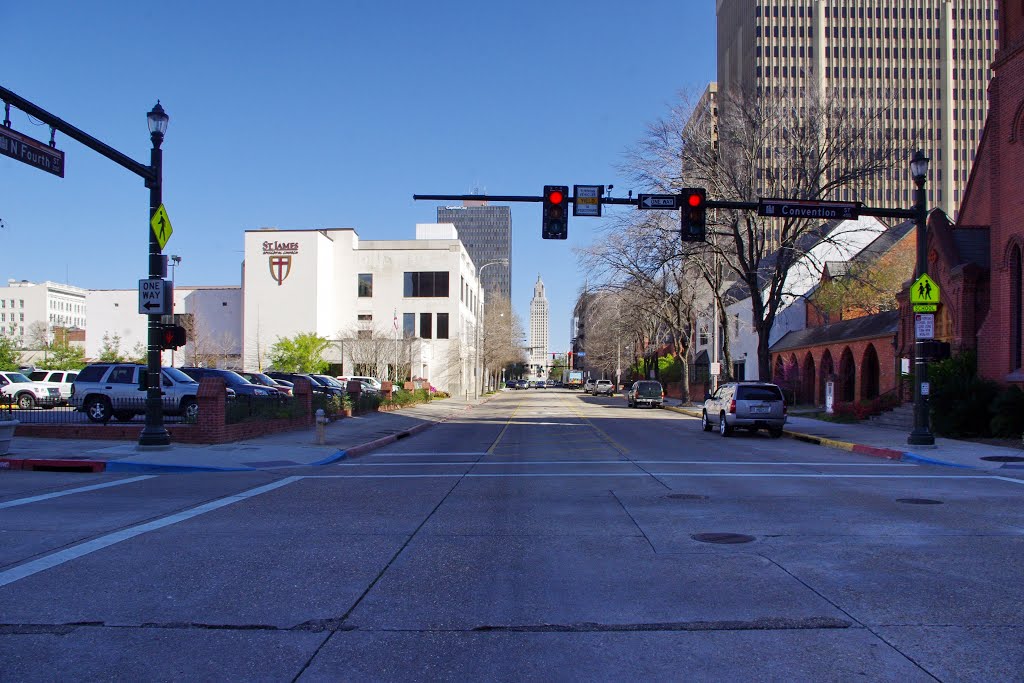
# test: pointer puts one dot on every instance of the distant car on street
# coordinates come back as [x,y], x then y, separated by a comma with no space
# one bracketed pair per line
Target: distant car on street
[588,386]
[603,386]
[645,393]
[522,384]
[745,405]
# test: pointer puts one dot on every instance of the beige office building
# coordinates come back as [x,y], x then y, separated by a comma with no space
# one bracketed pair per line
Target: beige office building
[926,60]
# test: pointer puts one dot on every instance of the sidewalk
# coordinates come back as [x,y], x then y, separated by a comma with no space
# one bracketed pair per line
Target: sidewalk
[885,442]
[346,437]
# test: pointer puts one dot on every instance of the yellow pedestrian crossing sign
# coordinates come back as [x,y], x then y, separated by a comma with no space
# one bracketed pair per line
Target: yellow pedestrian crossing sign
[161,225]
[924,291]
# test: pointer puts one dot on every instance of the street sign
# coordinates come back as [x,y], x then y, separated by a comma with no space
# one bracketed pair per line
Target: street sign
[155,297]
[587,200]
[657,201]
[716,369]
[161,224]
[32,152]
[924,326]
[926,308]
[798,208]
[924,291]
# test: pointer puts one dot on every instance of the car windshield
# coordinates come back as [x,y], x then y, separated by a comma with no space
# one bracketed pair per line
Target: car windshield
[330,381]
[17,377]
[232,378]
[177,375]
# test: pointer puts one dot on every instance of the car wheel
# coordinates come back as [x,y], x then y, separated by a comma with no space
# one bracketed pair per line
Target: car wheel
[26,401]
[723,427]
[190,410]
[97,409]
[775,432]
[705,423]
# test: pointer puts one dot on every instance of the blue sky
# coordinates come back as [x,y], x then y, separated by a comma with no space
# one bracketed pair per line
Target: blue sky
[330,114]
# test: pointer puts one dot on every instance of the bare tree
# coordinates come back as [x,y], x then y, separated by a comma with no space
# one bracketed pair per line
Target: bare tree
[376,351]
[502,330]
[37,336]
[205,347]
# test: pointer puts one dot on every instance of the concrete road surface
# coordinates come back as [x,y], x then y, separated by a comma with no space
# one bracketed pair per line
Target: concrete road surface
[546,535]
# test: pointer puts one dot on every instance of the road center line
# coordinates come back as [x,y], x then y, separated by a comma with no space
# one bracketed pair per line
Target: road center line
[60,557]
[68,492]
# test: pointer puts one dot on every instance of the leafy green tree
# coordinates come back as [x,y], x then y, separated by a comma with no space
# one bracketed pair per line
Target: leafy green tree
[64,356]
[10,354]
[302,353]
[110,352]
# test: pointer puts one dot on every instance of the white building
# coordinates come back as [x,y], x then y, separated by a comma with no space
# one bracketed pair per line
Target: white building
[539,328]
[212,317]
[840,242]
[23,303]
[389,307]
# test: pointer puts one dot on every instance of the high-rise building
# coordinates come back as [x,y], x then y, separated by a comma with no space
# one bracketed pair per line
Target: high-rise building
[924,63]
[52,304]
[539,327]
[486,232]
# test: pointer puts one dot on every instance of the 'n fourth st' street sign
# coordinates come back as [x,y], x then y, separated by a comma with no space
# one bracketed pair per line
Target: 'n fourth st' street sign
[32,152]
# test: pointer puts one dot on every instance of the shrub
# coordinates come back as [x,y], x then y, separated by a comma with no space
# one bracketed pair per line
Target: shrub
[1008,413]
[959,399]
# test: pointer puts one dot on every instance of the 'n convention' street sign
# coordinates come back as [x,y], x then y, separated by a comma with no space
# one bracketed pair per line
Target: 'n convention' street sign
[32,152]
[797,208]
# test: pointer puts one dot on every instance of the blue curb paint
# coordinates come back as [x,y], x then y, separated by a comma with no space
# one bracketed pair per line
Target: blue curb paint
[923,460]
[329,459]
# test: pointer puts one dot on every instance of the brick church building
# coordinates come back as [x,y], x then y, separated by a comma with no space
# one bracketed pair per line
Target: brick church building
[979,261]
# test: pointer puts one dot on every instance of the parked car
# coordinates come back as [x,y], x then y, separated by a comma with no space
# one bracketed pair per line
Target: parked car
[240,385]
[522,384]
[372,381]
[510,384]
[27,394]
[537,384]
[318,387]
[105,390]
[63,380]
[603,386]
[264,380]
[745,405]
[551,384]
[645,393]
[588,386]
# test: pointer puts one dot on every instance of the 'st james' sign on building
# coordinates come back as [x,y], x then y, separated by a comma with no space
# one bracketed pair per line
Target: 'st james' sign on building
[280,260]
[31,152]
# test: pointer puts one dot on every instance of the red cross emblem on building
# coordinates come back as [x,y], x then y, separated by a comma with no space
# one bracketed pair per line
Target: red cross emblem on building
[280,267]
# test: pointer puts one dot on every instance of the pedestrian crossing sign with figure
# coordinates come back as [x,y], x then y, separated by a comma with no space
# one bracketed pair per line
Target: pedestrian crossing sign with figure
[161,224]
[924,291]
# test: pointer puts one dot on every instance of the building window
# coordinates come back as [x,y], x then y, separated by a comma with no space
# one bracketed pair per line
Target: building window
[442,325]
[365,284]
[426,284]
[426,332]
[365,317]
[408,325]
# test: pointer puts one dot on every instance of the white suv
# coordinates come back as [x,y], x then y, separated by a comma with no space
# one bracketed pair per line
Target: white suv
[105,390]
[63,380]
[26,393]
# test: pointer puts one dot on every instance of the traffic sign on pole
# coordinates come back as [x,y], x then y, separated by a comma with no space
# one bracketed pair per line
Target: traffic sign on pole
[798,208]
[31,151]
[155,297]
[587,200]
[657,201]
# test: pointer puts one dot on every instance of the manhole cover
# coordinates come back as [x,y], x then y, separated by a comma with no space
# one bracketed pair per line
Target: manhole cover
[686,496]
[919,501]
[722,538]
[1003,458]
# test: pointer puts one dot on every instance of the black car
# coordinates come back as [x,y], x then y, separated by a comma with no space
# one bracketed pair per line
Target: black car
[319,387]
[263,380]
[234,381]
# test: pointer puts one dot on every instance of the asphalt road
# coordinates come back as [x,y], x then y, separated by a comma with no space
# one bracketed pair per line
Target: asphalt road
[546,535]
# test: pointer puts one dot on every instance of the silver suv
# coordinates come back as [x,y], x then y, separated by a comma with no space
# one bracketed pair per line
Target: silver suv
[745,405]
[604,386]
[105,390]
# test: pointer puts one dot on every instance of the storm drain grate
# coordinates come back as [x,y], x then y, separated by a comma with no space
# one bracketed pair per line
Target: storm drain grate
[722,538]
[1003,458]
[919,501]
[686,496]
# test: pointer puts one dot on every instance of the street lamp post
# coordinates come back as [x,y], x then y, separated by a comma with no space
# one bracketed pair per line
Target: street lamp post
[154,433]
[922,435]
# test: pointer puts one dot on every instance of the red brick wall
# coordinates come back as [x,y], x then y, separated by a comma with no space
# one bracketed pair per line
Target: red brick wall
[814,393]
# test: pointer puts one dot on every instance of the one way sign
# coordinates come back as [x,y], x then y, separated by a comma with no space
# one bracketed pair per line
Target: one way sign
[155,297]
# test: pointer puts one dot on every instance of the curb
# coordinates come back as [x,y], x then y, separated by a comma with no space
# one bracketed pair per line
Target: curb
[863,449]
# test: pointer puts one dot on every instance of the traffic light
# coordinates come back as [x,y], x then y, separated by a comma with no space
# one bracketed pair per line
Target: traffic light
[556,215]
[172,337]
[693,214]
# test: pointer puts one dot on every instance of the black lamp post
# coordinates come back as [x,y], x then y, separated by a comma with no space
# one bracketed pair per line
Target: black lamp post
[922,435]
[154,433]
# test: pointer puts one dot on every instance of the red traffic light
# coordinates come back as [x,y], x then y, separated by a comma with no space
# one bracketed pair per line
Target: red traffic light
[694,200]
[555,197]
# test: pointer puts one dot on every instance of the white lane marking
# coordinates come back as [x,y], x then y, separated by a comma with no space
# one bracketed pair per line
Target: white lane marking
[624,462]
[68,492]
[60,557]
[722,475]
[1010,479]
